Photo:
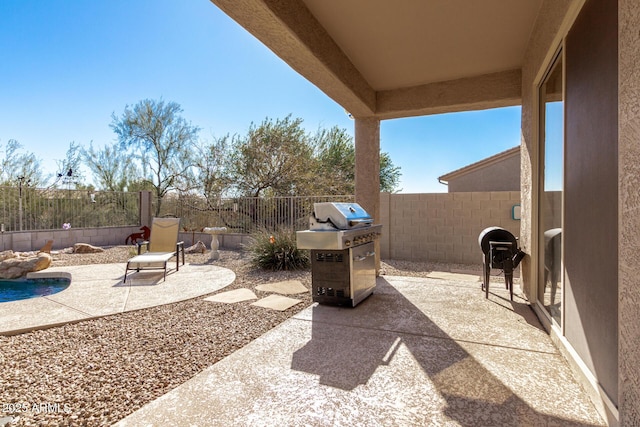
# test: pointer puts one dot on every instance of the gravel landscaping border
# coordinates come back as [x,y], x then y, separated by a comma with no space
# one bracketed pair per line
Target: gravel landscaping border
[96,372]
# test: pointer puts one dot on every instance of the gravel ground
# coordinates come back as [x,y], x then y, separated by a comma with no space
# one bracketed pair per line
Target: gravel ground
[96,372]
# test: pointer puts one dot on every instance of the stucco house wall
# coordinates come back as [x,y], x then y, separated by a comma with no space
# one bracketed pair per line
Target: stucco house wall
[628,158]
[502,175]
[588,334]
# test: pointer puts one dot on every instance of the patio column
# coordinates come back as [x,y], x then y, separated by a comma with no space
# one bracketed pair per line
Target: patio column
[145,208]
[367,131]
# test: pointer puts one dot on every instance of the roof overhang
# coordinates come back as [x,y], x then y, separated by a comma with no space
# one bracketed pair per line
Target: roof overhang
[397,59]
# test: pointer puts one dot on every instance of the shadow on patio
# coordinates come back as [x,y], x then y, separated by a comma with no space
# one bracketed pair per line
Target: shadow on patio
[417,352]
[481,362]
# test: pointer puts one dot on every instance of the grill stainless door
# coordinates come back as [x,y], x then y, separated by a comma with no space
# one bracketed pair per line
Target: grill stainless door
[363,272]
[343,277]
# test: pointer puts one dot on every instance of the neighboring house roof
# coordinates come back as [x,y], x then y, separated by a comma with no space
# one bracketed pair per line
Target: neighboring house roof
[444,179]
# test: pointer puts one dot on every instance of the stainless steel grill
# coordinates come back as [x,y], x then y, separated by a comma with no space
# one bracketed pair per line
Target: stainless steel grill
[341,239]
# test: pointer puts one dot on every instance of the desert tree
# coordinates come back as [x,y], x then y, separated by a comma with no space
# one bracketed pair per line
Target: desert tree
[389,174]
[336,160]
[112,169]
[69,170]
[273,159]
[211,169]
[162,140]
[16,164]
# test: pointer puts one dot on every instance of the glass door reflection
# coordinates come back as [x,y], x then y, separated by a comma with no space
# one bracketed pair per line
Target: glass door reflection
[551,191]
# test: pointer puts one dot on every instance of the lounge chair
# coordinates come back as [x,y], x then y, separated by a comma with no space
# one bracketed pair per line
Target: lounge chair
[162,246]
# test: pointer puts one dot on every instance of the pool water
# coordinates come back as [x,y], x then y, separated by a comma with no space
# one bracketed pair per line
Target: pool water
[14,290]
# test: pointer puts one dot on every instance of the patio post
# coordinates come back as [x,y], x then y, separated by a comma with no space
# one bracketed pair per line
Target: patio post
[145,208]
[367,139]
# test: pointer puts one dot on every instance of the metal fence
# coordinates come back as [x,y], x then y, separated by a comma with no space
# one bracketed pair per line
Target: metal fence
[28,209]
[31,209]
[245,214]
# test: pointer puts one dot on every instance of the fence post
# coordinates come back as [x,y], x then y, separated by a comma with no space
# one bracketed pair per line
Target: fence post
[145,208]
[292,201]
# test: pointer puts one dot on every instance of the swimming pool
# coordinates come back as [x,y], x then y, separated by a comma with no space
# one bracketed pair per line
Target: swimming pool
[14,290]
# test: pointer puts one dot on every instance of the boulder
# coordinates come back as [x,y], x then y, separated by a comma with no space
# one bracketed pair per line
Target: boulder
[198,248]
[12,268]
[85,248]
[7,255]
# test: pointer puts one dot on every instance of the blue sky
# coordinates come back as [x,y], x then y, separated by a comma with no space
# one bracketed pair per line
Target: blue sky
[67,65]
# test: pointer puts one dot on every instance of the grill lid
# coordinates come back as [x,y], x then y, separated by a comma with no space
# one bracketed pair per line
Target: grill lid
[343,216]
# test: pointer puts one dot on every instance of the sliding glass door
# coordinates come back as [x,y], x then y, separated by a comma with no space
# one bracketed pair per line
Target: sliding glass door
[550,266]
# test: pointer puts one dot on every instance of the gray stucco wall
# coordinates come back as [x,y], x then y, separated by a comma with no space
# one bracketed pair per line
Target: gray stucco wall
[591,191]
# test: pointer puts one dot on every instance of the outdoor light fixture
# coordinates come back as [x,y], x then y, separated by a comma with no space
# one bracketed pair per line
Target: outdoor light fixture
[516,212]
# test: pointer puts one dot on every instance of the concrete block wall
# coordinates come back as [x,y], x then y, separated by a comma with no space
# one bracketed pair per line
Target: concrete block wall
[25,241]
[443,227]
[22,241]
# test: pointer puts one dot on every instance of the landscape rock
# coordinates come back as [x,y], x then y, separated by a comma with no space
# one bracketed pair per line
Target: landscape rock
[85,248]
[198,248]
[7,255]
[12,268]
[102,370]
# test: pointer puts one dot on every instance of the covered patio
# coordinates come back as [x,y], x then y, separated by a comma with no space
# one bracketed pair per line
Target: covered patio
[419,351]
[382,60]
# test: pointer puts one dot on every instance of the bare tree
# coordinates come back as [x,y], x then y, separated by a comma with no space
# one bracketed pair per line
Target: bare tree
[211,175]
[112,169]
[16,164]
[69,169]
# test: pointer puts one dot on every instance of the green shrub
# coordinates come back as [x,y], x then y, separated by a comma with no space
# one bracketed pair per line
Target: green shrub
[277,250]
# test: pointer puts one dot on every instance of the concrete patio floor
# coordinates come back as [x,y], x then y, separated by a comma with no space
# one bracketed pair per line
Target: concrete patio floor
[418,352]
[97,290]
